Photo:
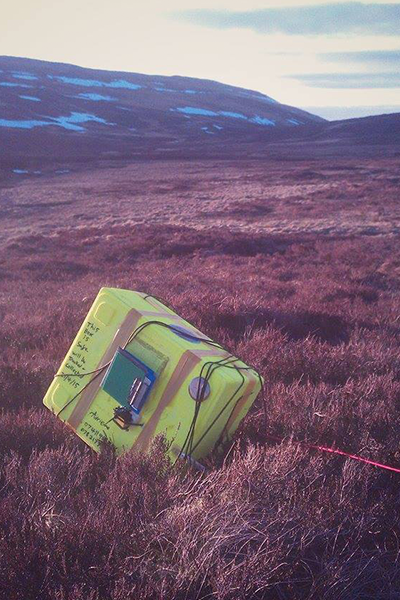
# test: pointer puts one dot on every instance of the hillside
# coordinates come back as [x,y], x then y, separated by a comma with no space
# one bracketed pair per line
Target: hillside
[57,112]
[57,117]
[375,130]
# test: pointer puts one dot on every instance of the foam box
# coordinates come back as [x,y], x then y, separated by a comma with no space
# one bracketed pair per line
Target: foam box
[176,352]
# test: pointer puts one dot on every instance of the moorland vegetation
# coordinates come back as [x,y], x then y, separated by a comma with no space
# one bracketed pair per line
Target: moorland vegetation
[316,313]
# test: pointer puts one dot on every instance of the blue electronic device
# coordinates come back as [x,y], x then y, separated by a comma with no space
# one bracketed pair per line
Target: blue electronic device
[128,380]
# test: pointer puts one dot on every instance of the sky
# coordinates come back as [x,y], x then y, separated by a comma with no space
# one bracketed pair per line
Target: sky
[337,59]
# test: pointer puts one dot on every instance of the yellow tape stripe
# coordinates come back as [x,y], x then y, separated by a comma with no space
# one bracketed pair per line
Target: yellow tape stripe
[241,404]
[185,366]
[173,317]
[154,313]
[157,304]
[211,352]
[165,312]
[88,395]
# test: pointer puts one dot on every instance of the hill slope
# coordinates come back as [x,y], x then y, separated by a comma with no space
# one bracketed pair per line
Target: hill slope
[57,116]
[48,108]
[372,130]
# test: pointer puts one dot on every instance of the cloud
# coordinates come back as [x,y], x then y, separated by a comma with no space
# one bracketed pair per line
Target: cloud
[377,58]
[350,80]
[347,17]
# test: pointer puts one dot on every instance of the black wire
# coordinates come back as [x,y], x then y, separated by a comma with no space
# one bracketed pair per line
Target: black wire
[198,400]
[131,338]
[235,405]
[162,302]
[83,374]
[239,369]
[214,365]
[78,394]
[177,331]
[221,411]
[185,335]
[210,342]
[211,366]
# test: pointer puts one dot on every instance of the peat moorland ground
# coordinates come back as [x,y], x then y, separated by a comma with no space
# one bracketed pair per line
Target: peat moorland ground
[295,266]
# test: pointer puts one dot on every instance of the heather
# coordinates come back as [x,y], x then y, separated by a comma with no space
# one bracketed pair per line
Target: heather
[315,311]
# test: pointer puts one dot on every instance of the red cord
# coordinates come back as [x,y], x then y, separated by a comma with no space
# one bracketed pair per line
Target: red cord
[341,453]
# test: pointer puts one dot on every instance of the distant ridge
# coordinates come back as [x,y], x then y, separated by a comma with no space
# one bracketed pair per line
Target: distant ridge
[71,110]
[59,114]
[376,129]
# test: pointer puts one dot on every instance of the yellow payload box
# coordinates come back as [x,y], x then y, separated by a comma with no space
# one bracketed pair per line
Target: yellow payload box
[136,370]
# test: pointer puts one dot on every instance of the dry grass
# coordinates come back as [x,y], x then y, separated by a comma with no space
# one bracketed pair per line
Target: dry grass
[339,197]
[316,313]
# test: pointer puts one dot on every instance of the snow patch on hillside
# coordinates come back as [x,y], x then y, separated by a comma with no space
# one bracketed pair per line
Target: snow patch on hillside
[33,98]
[95,97]
[10,84]
[74,118]
[28,124]
[163,89]
[232,115]
[27,76]
[191,110]
[262,121]
[120,83]
[69,122]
